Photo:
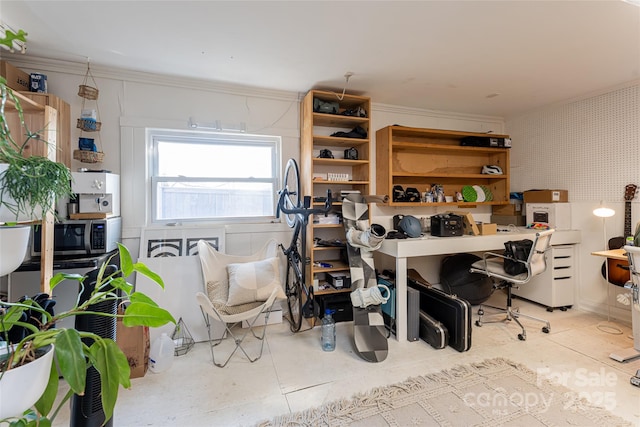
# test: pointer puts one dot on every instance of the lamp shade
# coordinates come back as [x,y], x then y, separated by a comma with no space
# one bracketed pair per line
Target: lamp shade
[603,212]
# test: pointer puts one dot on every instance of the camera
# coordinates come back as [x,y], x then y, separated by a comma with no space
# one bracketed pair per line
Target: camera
[326,154]
[351,154]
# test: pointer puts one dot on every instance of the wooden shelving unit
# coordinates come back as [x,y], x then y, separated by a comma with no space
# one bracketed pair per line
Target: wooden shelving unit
[63,123]
[420,158]
[41,119]
[316,130]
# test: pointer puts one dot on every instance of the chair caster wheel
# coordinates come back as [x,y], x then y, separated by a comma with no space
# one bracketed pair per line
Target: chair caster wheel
[521,337]
[550,309]
[545,330]
[478,323]
[563,308]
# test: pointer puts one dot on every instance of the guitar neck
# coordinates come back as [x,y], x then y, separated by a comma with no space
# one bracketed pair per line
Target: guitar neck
[627,218]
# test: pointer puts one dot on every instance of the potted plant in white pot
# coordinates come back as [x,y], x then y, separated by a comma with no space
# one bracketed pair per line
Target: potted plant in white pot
[72,355]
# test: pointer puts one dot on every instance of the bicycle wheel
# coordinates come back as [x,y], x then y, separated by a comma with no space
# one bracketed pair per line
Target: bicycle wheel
[292,190]
[294,298]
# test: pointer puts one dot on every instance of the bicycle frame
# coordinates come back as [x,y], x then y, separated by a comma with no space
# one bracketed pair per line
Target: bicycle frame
[297,259]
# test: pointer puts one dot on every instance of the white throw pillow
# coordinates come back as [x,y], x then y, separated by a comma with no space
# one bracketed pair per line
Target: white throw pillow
[253,281]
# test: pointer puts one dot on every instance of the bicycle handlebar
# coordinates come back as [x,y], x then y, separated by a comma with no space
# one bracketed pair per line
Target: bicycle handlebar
[303,211]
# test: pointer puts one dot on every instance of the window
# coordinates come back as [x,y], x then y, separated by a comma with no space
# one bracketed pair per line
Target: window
[213,176]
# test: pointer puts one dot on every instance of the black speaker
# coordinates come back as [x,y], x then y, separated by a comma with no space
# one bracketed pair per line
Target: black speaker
[87,411]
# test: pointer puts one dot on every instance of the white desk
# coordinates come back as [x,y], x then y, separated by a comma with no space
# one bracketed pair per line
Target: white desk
[401,249]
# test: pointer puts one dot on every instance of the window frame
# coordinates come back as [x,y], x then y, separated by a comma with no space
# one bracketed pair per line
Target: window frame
[156,135]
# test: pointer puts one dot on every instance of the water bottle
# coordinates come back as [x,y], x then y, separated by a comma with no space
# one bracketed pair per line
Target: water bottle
[161,353]
[328,331]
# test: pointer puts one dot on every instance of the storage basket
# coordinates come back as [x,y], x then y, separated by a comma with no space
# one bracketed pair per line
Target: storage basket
[88,156]
[89,125]
[88,92]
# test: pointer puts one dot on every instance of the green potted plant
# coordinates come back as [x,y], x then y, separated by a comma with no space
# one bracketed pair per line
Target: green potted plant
[31,185]
[73,355]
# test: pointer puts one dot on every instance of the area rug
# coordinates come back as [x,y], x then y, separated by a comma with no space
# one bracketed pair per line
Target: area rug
[490,393]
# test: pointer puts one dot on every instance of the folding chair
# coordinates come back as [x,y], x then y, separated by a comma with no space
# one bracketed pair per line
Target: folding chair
[215,304]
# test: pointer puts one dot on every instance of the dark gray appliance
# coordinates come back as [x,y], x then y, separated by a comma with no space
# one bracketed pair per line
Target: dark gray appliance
[87,410]
[81,237]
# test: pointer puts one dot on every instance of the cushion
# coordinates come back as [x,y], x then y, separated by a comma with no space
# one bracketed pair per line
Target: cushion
[218,295]
[253,281]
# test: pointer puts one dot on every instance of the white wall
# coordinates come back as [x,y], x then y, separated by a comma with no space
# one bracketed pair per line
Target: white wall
[588,146]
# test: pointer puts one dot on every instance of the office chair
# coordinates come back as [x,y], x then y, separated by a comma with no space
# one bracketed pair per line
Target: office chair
[492,264]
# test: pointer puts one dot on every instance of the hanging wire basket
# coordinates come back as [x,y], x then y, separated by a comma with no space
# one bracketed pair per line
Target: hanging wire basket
[89,125]
[88,92]
[86,156]
[182,339]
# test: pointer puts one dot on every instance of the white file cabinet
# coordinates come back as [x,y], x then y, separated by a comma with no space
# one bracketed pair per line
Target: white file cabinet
[555,287]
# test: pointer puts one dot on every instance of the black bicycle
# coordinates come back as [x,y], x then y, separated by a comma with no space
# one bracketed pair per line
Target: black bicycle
[297,211]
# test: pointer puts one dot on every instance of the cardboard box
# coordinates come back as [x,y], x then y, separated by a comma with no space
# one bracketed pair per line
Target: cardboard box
[469,226]
[546,196]
[517,220]
[135,344]
[16,78]
[555,215]
[487,228]
[513,208]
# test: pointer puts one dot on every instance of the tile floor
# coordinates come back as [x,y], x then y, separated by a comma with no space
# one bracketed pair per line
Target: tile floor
[294,373]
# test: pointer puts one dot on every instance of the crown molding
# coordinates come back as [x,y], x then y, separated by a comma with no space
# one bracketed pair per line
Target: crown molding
[41,64]
[114,73]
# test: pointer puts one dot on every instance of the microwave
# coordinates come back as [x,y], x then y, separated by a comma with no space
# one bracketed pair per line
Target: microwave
[80,237]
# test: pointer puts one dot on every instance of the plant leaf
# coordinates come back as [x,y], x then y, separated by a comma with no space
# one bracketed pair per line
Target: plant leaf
[143,269]
[143,314]
[45,403]
[71,360]
[10,317]
[121,283]
[143,298]
[126,265]
[114,370]
[60,277]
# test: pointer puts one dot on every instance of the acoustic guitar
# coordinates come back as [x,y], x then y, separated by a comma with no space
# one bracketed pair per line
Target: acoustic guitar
[619,270]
